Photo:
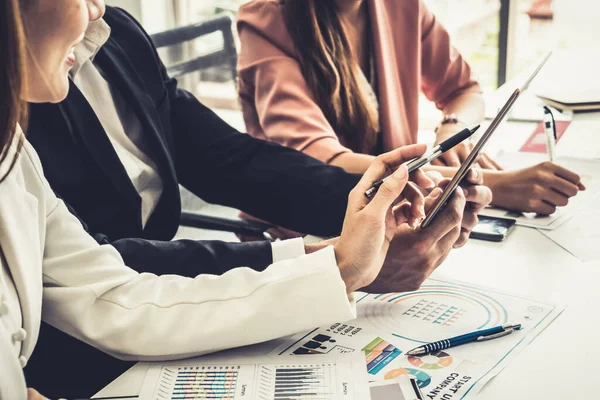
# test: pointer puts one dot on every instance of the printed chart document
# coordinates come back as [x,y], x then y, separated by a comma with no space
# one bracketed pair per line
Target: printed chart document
[404,387]
[259,378]
[390,325]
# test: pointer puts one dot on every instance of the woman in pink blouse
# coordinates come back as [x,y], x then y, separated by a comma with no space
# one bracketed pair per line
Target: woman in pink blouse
[340,81]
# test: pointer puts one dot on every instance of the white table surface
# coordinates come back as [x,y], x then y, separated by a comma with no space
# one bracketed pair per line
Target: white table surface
[563,361]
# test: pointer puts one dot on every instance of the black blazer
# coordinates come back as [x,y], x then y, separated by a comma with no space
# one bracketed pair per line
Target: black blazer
[192,147]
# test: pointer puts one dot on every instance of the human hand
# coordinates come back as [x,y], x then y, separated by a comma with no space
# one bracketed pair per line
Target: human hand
[459,153]
[419,184]
[538,189]
[477,197]
[415,253]
[33,394]
[370,225]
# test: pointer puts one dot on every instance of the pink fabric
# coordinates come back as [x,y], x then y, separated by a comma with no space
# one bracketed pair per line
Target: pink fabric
[412,53]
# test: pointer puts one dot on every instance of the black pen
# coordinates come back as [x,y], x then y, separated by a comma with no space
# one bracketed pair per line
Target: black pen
[429,156]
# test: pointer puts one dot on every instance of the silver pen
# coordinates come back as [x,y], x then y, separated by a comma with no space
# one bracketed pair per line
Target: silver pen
[429,156]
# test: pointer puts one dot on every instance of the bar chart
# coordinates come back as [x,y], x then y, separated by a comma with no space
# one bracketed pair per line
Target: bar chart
[200,382]
[333,378]
[298,383]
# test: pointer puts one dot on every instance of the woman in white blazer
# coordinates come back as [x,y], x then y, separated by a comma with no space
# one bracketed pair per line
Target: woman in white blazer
[51,268]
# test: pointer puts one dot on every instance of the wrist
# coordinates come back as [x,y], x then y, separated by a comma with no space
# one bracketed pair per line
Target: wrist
[449,124]
[493,180]
[348,271]
[314,247]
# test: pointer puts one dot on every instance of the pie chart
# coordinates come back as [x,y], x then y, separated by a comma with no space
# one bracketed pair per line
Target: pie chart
[437,360]
[423,380]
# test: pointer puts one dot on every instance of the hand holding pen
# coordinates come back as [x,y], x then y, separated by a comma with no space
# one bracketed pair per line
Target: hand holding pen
[429,156]
[550,131]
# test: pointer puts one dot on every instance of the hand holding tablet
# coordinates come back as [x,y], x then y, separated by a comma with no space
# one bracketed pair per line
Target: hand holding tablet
[472,158]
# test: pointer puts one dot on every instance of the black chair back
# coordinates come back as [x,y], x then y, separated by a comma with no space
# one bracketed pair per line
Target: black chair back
[225,55]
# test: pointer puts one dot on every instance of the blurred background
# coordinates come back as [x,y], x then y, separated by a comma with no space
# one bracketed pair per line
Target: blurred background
[499,38]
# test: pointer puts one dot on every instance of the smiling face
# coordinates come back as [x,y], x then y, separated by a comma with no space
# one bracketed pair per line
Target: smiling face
[52,29]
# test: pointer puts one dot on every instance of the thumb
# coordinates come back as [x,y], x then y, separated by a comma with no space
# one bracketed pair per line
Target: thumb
[389,192]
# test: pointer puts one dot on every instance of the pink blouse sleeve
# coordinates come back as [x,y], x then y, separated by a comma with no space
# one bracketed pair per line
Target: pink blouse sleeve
[275,97]
[445,75]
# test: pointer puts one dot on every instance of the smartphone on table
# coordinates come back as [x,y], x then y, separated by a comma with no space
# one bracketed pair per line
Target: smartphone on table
[494,229]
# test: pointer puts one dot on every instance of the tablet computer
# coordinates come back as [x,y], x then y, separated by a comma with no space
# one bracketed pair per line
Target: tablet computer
[474,154]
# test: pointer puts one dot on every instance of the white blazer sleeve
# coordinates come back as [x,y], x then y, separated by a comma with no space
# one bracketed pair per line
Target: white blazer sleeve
[90,294]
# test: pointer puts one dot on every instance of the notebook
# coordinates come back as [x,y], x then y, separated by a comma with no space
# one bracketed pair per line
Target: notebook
[570,80]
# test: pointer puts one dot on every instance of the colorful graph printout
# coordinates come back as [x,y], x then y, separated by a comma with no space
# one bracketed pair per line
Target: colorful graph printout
[437,360]
[439,310]
[452,308]
[201,382]
[422,378]
[293,378]
[379,353]
[343,339]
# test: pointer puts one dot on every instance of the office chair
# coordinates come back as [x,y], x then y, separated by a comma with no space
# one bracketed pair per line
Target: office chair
[221,56]
[218,57]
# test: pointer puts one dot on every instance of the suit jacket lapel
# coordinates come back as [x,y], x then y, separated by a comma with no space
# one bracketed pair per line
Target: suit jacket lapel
[115,63]
[388,81]
[88,128]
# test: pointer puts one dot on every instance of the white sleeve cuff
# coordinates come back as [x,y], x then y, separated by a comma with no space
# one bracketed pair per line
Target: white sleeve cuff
[287,249]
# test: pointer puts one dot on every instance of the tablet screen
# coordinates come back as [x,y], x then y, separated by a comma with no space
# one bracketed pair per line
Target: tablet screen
[474,154]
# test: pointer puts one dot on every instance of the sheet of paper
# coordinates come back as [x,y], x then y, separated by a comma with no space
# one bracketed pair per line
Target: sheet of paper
[576,228]
[583,202]
[400,388]
[580,236]
[259,378]
[344,339]
[580,140]
[398,322]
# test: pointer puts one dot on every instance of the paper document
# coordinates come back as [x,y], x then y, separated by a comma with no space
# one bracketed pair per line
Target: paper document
[585,201]
[580,236]
[390,325]
[400,388]
[575,227]
[259,378]
[580,140]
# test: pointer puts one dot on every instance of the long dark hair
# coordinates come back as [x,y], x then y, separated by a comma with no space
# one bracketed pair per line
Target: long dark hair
[12,82]
[329,68]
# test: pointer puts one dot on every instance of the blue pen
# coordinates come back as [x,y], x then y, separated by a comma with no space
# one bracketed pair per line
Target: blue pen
[478,336]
